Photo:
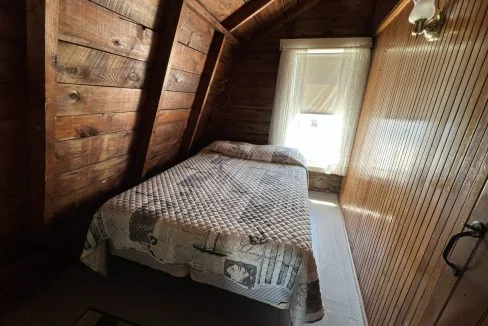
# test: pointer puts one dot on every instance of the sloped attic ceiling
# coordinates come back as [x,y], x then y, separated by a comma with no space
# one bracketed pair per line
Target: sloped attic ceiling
[332,14]
[266,16]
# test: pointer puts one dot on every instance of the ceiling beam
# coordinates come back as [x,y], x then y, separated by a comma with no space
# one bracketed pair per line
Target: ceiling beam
[289,15]
[160,73]
[203,91]
[201,11]
[217,116]
[245,13]
[42,45]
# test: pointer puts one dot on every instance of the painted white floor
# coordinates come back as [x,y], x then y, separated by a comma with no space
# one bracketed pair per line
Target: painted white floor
[338,281]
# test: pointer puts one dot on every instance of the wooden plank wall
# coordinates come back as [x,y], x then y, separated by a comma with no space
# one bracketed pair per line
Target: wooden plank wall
[99,57]
[103,61]
[106,52]
[187,61]
[419,160]
[14,117]
[222,9]
[247,110]
[216,99]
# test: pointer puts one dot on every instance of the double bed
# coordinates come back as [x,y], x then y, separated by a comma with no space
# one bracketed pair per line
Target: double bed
[235,216]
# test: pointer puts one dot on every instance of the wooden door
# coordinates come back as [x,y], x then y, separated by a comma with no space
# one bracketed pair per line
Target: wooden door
[463,300]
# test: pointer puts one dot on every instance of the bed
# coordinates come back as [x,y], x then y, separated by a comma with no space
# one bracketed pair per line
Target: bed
[235,216]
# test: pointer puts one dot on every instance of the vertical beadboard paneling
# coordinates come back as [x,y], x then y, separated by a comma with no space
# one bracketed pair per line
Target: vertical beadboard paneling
[419,159]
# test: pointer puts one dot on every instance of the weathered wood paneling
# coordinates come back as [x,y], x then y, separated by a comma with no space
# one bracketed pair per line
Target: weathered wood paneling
[167,116]
[176,100]
[88,24]
[248,114]
[144,12]
[104,179]
[251,127]
[82,126]
[419,159]
[187,60]
[222,9]
[182,81]
[226,66]
[163,156]
[165,144]
[195,32]
[167,132]
[260,97]
[197,117]
[245,13]
[77,153]
[75,99]
[105,50]
[201,11]
[261,21]
[70,181]
[81,65]
[162,71]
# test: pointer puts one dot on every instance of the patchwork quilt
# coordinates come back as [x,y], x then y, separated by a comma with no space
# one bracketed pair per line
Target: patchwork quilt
[235,216]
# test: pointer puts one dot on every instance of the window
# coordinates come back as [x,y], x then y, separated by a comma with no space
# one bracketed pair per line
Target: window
[313,130]
[318,98]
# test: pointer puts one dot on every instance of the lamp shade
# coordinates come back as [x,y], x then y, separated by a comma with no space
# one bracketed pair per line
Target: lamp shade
[423,9]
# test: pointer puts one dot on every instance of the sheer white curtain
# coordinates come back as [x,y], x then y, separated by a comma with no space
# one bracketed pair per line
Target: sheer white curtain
[352,83]
[288,96]
[318,98]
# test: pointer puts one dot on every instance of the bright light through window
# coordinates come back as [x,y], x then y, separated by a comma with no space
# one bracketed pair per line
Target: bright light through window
[316,137]
[318,97]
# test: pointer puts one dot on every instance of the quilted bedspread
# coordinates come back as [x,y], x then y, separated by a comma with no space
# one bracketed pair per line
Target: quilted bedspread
[235,216]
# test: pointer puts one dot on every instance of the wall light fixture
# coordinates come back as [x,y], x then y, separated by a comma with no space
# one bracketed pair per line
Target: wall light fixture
[427,19]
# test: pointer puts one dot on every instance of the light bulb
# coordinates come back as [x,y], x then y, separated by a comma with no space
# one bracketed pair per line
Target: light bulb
[423,9]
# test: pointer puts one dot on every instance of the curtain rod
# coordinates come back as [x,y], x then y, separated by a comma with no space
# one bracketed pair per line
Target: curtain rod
[327,43]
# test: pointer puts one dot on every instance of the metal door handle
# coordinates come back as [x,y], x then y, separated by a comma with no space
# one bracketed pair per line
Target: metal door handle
[476,230]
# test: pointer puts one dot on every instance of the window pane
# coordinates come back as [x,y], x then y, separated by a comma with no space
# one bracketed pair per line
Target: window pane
[317,139]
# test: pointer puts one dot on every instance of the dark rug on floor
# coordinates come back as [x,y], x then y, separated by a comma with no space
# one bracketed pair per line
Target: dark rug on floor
[93,317]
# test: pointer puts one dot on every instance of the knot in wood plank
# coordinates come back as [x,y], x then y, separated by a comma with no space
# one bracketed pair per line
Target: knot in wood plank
[134,76]
[75,96]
